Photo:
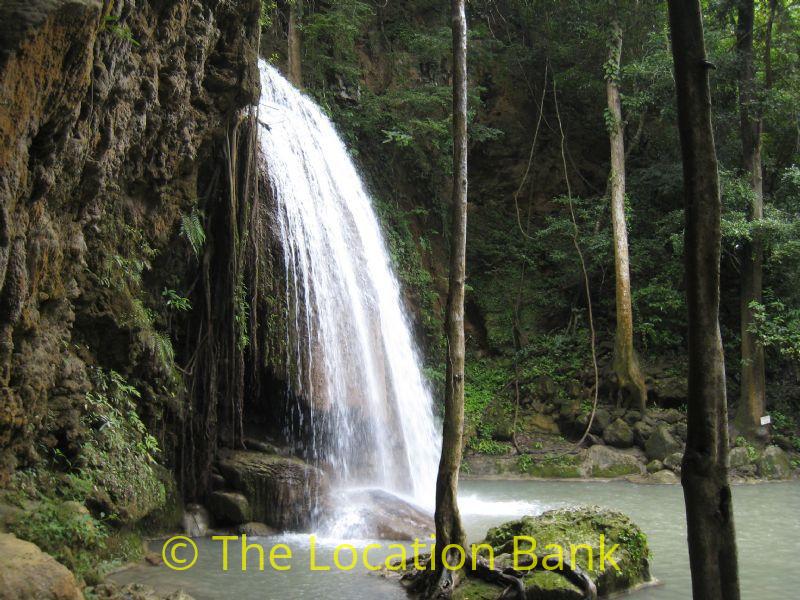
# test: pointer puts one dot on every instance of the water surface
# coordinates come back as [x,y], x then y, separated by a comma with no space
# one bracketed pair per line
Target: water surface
[768,532]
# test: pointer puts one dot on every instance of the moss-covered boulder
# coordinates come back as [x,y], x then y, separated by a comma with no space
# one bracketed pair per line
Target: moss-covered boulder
[774,464]
[579,528]
[606,462]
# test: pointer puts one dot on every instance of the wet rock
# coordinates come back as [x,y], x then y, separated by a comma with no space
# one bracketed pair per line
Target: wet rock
[27,573]
[601,420]
[604,461]
[540,423]
[580,526]
[664,476]
[618,434]
[632,416]
[661,444]
[641,431]
[673,462]
[229,508]
[738,457]
[255,529]
[774,464]
[671,416]
[679,431]
[654,466]
[283,492]
[110,590]
[196,520]
[377,514]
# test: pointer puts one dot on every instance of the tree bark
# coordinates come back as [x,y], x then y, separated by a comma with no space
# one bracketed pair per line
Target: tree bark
[752,400]
[294,66]
[626,362]
[449,529]
[707,494]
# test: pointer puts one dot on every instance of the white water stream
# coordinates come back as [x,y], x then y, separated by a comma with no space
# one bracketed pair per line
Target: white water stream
[356,367]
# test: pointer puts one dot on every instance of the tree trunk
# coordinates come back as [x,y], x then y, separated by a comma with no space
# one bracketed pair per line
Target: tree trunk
[294,66]
[752,399]
[626,362]
[449,529]
[707,494]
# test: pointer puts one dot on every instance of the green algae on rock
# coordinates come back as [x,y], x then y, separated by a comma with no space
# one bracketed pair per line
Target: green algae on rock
[578,527]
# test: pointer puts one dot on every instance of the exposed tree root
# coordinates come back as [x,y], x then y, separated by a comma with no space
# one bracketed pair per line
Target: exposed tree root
[440,584]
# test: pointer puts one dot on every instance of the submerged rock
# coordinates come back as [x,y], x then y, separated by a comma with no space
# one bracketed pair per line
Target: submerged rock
[581,526]
[377,514]
[255,529]
[27,573]
[283,492]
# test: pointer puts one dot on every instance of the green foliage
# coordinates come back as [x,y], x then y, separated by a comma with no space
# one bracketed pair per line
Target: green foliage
[488,446]
[752,452]
[73,538]
[265,17]
[111,23]
[778,327]
[192,230]
[175,301]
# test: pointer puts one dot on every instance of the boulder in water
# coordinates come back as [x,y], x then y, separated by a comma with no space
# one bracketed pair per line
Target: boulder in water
[282,491]
[377,514]
[578,526]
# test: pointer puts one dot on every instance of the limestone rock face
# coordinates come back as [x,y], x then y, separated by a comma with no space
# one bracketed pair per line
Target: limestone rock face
[111,115]
[283,492]
[27,573]
[661,444]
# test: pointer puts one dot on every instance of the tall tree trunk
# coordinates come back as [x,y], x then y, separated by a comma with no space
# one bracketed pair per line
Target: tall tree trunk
[294,66]
[449,529]
[626,362]
[753,385]
[709,507]
[768,74]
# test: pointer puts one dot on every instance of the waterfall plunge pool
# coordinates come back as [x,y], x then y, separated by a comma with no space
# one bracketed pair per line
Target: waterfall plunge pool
[767,527]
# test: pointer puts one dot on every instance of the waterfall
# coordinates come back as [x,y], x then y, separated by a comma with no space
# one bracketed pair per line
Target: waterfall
[368,412]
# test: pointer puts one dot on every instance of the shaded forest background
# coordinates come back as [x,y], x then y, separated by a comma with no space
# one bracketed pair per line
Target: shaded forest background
[382,72]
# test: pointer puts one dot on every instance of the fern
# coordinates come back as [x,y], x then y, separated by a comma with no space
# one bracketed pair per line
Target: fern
[192,230]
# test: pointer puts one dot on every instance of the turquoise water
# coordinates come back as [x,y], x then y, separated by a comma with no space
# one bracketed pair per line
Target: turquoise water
[767,523]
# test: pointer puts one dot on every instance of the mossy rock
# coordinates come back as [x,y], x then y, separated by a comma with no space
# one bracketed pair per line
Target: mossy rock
[579,526]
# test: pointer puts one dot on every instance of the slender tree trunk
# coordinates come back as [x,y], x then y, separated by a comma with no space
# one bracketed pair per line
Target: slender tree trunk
[752,400]
[768,74]
[449,529]
[707,494]
[294,66]
[626,362]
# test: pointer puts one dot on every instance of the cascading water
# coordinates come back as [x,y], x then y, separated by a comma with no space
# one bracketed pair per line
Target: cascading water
[369,412]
